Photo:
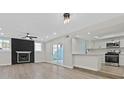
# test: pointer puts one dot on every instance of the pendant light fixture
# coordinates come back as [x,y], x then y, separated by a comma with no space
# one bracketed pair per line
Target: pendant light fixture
[66,18]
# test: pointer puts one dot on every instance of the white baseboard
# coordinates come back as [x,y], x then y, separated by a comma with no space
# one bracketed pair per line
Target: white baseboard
[85,67]
[5,64]
[39,62]
[68,66]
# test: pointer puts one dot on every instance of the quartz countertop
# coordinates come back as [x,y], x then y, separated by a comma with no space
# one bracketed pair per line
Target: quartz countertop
[89,54]
[92,54]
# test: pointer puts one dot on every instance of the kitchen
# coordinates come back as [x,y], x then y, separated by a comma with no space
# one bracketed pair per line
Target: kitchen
[103,49]
[105,55]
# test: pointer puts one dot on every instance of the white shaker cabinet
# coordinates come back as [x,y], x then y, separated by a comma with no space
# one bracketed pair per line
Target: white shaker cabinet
[122,43]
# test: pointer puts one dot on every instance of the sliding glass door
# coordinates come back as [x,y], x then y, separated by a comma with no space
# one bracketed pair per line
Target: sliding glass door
[55,53]
[58,53]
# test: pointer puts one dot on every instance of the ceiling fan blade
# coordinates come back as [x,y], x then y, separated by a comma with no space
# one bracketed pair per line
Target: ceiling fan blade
[33,37]
[28,36]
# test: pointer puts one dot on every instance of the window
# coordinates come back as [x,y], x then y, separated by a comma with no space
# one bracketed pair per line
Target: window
[38,47]
[4,44]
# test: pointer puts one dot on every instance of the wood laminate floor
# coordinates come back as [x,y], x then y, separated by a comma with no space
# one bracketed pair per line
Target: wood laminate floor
[43,71]
[119,71]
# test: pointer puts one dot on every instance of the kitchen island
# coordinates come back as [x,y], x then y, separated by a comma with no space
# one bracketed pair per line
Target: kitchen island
[87,61]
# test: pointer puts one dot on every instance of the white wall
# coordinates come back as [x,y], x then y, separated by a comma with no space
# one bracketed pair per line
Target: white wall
[5,56]
[67,44]
[76,46]
[40,55]
[68,52]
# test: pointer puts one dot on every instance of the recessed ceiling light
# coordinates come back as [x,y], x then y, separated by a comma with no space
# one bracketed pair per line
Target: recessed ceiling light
[1,34]
[89,33]
[54,33]
[96,37]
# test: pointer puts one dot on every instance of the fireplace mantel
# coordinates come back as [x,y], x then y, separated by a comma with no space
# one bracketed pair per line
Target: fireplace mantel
[23,56]
[23,51]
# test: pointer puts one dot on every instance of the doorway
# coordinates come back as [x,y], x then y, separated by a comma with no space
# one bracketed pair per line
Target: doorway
[58,53]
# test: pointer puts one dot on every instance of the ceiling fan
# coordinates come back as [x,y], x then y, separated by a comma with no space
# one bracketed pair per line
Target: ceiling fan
[28,36]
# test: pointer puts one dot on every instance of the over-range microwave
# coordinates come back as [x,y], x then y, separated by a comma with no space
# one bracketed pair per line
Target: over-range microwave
[113,45]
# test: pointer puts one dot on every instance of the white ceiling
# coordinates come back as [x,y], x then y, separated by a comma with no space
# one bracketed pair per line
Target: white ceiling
[107,29]
[45,24]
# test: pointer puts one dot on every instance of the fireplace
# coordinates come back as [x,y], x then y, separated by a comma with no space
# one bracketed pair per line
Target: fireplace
[23,56]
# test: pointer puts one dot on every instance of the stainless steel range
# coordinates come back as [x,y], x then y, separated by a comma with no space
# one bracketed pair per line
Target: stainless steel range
[112,58]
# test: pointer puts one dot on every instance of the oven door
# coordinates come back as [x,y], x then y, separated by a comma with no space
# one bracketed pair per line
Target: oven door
[112,58]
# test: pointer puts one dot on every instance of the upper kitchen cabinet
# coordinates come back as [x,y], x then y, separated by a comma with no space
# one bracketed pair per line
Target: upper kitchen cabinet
[90,44]
[122,42]
[100,44]
[78,46]
[96,44]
